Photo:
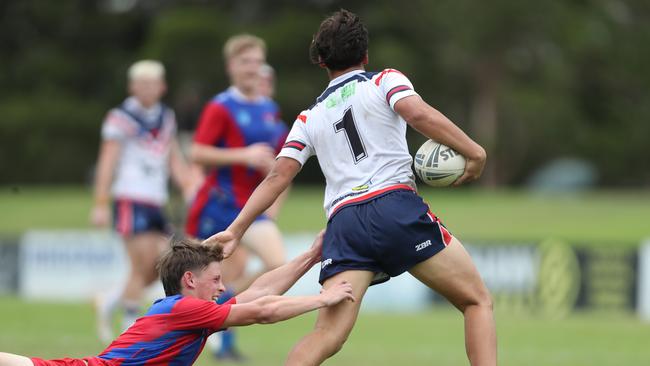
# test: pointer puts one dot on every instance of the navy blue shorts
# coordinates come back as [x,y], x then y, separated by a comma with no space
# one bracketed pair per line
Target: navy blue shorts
[215,217]
[387,235]
[130,217]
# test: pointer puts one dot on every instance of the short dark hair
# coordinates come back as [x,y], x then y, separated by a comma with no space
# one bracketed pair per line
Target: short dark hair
[341,41]
[185,255]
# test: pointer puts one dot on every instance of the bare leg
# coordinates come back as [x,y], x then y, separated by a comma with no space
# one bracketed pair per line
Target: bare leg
[143,250]
[333,325]
[9,359]
[265,240]
[234,267]
[453,274]
[160,243]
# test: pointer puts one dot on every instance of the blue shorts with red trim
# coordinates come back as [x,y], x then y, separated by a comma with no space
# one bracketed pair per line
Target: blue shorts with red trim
[132,217]
[387,235]
[215,217]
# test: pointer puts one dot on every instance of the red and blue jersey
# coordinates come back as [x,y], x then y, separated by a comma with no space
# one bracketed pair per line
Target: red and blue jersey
[231,121]
[173,332]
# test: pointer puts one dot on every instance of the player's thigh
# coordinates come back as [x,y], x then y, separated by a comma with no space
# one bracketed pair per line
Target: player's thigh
[265,240]
[452,274]
[9,359]
[337,321]
[145,248]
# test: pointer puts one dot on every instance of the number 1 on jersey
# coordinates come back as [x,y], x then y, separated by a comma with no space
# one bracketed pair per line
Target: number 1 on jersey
[348,126]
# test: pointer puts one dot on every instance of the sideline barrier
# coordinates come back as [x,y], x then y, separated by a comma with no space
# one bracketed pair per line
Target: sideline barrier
[8,265]
[551,277]
[643,285]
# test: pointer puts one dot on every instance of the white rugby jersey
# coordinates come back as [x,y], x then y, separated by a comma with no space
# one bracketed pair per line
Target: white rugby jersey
[146,136]
[358,138]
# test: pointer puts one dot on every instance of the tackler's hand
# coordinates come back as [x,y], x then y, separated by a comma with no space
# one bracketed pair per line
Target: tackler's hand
[316,248]
[226,239]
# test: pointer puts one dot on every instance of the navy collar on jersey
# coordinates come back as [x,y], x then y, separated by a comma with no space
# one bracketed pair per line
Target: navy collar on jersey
[149,119]
[340,81]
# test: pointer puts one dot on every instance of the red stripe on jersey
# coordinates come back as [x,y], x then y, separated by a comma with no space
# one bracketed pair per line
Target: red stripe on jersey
[278,147]
[295,145]
[378,81]
[167,357]
[371,195]
[212,124]
[244,180]
[201,199]
[218,126]
[303,118]
[145,329]
[395,90]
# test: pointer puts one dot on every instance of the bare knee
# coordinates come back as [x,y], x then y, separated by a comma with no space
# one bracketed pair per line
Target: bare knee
[479,299]
[137,277]
[332,340]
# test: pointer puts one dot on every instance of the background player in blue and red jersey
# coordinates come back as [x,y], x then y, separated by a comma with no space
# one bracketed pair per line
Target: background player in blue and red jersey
[175,328]
[236,140]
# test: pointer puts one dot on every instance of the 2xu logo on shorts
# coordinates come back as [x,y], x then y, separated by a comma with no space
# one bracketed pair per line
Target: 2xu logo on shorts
[422,245]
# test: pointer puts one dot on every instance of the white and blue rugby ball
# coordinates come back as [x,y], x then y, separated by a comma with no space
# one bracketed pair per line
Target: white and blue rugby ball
[438,165]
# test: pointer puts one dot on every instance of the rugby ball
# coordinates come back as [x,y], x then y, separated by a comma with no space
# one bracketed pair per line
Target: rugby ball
[438,165]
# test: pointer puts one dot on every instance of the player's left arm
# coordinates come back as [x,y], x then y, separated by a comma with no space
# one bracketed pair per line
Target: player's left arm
[436,126]
[276,182]
[274,210]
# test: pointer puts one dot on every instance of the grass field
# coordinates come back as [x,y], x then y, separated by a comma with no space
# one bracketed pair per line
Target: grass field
[598,217]
[425,338]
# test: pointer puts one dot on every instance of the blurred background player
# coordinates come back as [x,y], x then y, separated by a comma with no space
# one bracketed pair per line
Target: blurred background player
[137,155]
[236,140]
[174,330]
[378,226]
[266,85]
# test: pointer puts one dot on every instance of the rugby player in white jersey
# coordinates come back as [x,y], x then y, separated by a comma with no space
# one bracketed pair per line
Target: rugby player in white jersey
[378,226]
[137,155]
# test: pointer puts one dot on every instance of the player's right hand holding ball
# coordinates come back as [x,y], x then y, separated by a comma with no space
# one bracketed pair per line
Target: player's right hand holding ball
[473,166]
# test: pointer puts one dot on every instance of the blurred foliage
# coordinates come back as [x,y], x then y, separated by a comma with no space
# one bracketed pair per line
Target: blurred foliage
[531,81]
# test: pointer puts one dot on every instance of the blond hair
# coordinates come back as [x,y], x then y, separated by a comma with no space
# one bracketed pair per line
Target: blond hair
[146,69]
[240,43]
